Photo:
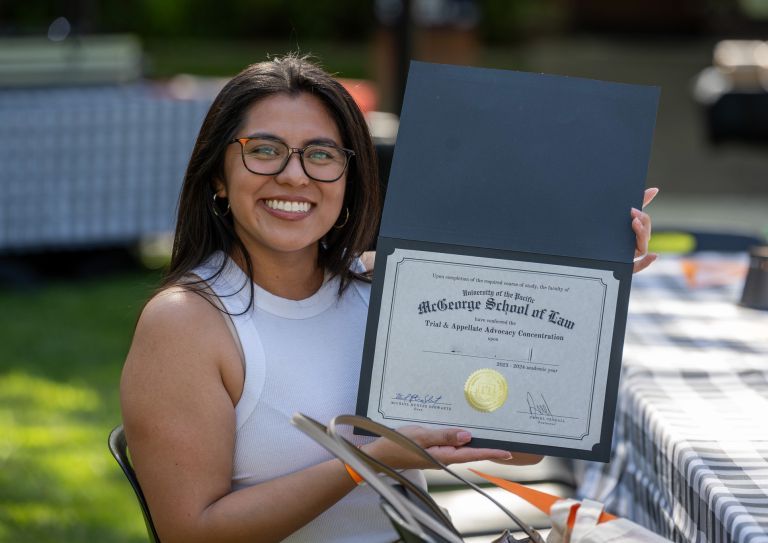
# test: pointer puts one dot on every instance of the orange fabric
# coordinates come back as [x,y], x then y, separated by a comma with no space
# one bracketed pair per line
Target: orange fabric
[572,517]
[541,500]
[352,473]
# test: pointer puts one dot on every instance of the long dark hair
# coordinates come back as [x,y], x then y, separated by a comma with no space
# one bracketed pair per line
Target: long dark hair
[202,228]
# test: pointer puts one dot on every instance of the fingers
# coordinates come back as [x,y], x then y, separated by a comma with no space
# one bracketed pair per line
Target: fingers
[429,437]
[445,444]
[521,459]
[644,262]
[454,437]
[649,195]
[641,225]
[454,455]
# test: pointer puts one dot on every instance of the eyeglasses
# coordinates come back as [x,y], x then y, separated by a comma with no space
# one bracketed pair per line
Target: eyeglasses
[321,162]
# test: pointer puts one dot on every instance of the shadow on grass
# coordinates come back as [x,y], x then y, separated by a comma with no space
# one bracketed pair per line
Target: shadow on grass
[63,346]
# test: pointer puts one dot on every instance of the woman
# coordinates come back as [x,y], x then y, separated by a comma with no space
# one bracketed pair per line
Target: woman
[262,314]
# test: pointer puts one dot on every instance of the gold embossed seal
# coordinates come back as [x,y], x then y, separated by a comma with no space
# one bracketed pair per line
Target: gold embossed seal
[486,390]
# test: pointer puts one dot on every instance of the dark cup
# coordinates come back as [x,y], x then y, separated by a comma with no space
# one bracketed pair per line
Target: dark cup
[755,293]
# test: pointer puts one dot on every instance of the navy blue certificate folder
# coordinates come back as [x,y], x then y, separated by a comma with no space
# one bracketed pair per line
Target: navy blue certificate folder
[529,179]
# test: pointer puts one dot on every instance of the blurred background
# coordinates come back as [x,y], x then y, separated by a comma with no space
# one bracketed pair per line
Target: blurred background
[100,103]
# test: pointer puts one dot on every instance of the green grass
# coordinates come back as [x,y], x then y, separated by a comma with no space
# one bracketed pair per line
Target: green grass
[62,347]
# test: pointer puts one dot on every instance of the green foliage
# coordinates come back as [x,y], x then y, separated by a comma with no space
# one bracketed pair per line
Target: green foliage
[344,20]
[505,22]
[62,351]
[224,58]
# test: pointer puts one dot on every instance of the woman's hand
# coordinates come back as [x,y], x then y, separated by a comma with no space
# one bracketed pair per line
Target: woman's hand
[446,445]
[641,224]
[521,459]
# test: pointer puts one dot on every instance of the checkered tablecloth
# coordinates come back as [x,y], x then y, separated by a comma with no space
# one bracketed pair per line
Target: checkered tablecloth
[91,166]
[690,456]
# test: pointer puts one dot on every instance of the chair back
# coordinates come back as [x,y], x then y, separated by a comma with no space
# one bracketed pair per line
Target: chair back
[119,449]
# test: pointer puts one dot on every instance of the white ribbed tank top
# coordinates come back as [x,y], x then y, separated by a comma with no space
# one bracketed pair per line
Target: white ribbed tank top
[299,356]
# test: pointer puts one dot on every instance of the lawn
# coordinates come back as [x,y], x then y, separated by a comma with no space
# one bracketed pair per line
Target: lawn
[62,345]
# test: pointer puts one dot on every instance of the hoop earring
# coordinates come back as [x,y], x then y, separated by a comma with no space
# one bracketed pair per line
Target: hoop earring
[216,207]
[346,220]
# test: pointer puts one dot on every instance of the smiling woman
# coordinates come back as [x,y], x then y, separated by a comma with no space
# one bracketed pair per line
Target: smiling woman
[262,314]
[277,207]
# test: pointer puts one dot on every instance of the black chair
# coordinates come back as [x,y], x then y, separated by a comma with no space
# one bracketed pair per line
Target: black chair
[119,449]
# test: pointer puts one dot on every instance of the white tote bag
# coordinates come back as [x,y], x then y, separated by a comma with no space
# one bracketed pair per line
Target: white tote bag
[586,528]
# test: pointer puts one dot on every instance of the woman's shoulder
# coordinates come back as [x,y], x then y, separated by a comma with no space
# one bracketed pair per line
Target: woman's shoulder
[177,316]
[179,333]
[181,357]
[178,304]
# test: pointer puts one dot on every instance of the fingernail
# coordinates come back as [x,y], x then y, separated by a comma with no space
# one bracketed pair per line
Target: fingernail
[509,456]
[635,210]
[464,436]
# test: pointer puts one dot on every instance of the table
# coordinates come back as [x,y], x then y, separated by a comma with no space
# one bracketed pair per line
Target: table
[690,457]
[91,166]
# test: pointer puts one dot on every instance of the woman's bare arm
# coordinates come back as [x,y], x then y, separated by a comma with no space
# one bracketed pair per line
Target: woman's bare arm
[180,422]
[181,380]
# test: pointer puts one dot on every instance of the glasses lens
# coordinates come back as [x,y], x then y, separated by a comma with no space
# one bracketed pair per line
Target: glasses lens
[320,162]
[324,162]
[265,156]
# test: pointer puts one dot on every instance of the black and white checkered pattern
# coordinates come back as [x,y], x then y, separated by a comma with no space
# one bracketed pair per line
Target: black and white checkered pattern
[690,458]
[91,165]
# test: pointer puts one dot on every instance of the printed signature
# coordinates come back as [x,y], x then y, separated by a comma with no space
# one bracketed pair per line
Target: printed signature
[423,399]
[538,407]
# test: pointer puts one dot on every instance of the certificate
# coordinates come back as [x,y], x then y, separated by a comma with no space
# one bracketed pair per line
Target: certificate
[504,258]
[511,350]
